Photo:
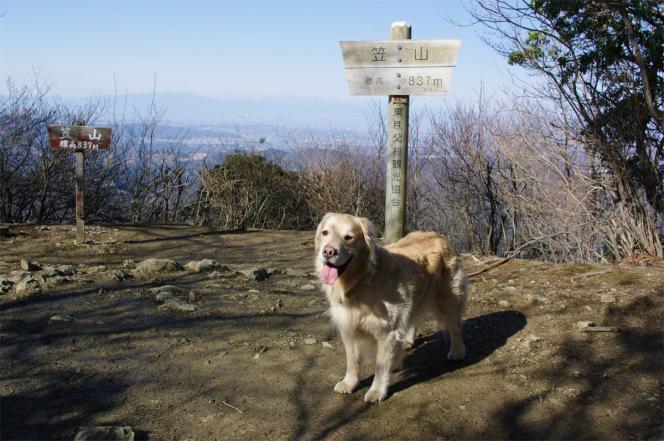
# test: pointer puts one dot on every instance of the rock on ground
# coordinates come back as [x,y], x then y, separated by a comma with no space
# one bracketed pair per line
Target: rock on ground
[61,318]
[105,433]
[153,266]
[258,274]
[607,298]
[166,296]
[29,266]
[27,286]
[6,285]
[202,265]
[582,325]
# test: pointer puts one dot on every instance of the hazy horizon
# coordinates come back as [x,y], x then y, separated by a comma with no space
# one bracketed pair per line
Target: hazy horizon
[222,49]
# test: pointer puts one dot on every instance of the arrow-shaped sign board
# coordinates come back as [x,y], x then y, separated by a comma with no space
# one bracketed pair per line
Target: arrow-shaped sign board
[399,67]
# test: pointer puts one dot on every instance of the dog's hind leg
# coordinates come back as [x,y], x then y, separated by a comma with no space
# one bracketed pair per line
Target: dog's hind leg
[353,359]
[448,315]
[409,338]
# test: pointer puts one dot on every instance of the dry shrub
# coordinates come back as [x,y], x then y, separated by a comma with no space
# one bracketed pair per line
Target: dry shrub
[247,191]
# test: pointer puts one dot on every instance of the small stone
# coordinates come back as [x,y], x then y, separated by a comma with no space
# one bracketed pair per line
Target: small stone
[27,286]
[291,344]
[307,287]
[193,296]
[50,272]
[163,296]
[152,266]
[511,289]
[165,288]
[310,341]
[257,355]
[128,263]
[122,275]
[462,407]
[215,275]
[57,280]
[582,325]
[61,318]
[607,298]
[504,303]
[5,285]
[327,345]
[201,265]
[510,282]
[29,266]
[65,270]
[534,299]
[105,433]
[254,291]
[257,274]
[96,269]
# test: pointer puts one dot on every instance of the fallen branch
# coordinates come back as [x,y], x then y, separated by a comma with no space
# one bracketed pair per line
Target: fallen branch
[602,329]
[591,273]
[504,260]
[232,407]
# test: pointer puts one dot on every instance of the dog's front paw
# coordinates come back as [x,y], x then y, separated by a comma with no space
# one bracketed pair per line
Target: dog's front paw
[344,387]
[457,354]
[375,395]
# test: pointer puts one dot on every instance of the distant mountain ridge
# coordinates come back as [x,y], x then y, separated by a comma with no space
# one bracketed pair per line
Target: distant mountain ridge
[289,111]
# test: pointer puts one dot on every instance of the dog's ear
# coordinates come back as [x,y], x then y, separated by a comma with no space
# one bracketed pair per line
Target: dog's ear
[369,233]
[319,228]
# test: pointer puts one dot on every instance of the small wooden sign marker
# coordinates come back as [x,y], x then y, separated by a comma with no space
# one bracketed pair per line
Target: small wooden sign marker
[399,67]
[79,139]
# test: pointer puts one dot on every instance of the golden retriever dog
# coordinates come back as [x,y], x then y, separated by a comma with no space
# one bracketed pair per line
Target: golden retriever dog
[378,294]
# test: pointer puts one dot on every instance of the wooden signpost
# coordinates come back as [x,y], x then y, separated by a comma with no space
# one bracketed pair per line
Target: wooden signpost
[399,67]
[79,139]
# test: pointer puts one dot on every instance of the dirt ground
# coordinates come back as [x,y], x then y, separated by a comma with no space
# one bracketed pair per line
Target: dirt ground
[258,360]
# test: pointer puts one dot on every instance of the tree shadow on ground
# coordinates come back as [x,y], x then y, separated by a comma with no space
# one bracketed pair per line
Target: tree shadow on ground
[614,383]
[58,405]
[483,335]
[86,375]
[170,236]
[427,361]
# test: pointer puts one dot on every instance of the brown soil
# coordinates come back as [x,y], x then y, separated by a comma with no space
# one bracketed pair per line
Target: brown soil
[239,367]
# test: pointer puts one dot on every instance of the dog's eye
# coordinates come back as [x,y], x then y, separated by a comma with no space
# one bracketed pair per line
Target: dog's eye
[324,233]
[348,237]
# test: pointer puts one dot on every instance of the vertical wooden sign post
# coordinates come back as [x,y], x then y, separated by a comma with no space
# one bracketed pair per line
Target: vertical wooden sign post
[396,177]
[79,139]
[80,209]
[399,67]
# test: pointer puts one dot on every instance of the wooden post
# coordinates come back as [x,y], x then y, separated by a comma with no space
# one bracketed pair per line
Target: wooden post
[397,154]
[80,213]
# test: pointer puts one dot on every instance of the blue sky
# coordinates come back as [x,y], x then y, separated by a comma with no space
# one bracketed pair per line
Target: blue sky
[238,49]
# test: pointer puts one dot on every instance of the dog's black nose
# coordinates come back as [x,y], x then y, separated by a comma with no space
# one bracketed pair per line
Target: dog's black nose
[329,251]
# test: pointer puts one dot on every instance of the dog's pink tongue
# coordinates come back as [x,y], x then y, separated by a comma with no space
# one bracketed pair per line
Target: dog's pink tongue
[329,274]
